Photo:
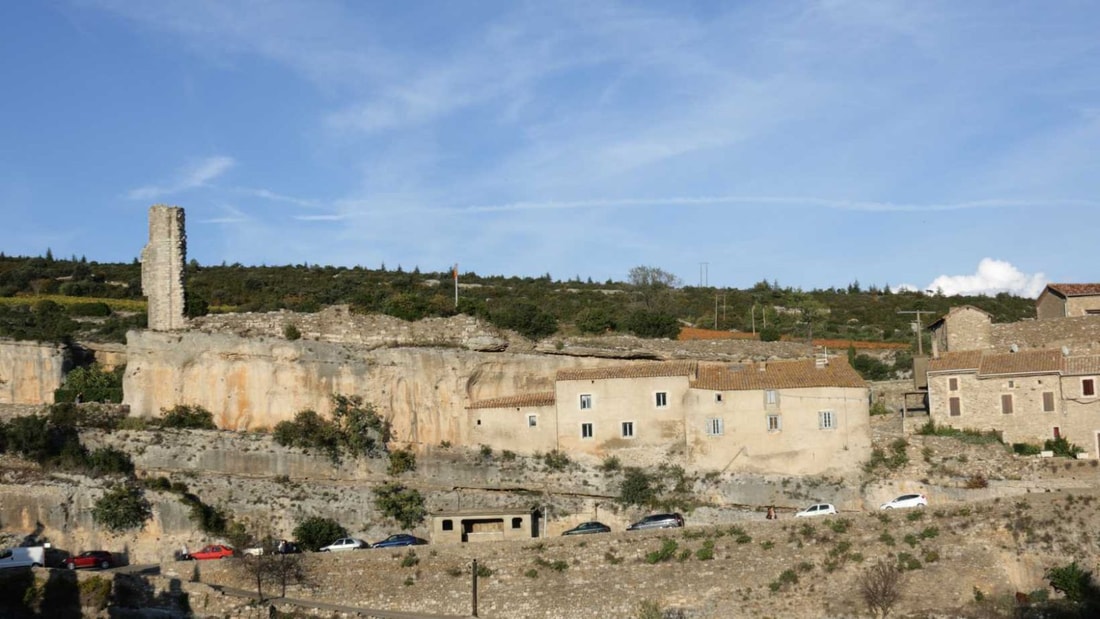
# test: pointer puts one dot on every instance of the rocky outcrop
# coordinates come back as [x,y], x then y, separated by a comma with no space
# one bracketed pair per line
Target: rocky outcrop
[30,371]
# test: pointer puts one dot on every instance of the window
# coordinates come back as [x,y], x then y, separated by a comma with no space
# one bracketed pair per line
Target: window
[1006,403]
[1048,401]
[955,406]
[448,525]
[952,384]
[662,399]
[715,427]
[1057,433]
[826,420]
[586,401]
[718,398]
[517,523]
[628,429]
[1011,384]
[586,430]
[771,397]
[1088,386]
[774,423]
[532,421]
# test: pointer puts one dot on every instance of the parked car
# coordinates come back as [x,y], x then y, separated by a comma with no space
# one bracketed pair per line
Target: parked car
[585,528]
[345,543]
[399,539]
[818,509]
[283,547]
[213,551]
[906,500]
[658,521]
[92,559]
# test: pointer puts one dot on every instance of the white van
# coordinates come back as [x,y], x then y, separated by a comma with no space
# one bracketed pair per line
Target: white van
[33,556]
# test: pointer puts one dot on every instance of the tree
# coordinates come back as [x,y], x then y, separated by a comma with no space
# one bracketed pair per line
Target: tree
[314,532]
[652,277]
[405,505]
[652,324]
[188,417]
[121,508]
[638,488]
[881,587]
[1074,583]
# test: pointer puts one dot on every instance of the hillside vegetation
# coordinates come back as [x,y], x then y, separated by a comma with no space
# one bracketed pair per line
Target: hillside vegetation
[649,302]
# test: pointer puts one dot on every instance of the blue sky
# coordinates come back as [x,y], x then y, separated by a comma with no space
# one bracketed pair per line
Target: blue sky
[948,145]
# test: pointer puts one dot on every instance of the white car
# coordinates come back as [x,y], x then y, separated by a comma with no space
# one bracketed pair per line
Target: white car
[345,543]
[820,509]
[906,500]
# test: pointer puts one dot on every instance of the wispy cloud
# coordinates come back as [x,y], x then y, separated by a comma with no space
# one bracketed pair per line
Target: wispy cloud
[319,217]
[198,174]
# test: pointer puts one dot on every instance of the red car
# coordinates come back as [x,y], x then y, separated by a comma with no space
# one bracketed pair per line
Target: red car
[91,558]
[214,551]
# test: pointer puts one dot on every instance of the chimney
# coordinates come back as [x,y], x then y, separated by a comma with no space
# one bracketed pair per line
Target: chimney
[821,362]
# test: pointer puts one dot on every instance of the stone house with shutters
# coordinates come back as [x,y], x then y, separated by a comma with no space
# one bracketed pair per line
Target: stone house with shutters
[1028,396]
[800,417]
[1068,300]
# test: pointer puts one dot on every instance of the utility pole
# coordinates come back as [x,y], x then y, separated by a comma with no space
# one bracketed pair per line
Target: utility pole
[920,336]
[716,311]
[704,273]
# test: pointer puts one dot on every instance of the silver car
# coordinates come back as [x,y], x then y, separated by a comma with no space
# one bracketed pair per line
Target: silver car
[906,500]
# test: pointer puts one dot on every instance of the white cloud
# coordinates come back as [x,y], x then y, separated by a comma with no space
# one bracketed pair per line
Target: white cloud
[198,174]
[993,277]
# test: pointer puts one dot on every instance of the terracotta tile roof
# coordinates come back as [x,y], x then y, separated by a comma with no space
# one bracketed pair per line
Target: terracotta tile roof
[1083,366]
[780,375]
[516,401]
[637,370]
[956,361]
[1023,362]
[1075,290]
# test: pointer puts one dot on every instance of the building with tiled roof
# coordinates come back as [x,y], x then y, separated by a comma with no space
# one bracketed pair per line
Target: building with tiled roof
[1067,300]
[784,417]
[1029,396]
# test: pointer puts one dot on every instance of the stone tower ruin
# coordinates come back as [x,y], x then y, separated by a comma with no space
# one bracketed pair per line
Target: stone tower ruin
[162,262]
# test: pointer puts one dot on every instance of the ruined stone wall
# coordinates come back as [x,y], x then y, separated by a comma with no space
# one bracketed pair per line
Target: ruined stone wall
[162,268]
[1081,334]
[30,371]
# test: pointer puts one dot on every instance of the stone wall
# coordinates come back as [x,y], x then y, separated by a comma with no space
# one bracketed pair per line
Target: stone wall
[1080,334]
[162,268]
[30,371]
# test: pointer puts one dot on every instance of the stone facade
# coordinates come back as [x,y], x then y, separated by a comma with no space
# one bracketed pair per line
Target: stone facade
[963,328]
[801,417]
[162,268]
[1068,300]
[30,372]
[1028,396]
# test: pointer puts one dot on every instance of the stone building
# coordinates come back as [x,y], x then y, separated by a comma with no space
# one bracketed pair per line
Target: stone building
[800,417]
[1028,396]
[162,268]
[1066,300]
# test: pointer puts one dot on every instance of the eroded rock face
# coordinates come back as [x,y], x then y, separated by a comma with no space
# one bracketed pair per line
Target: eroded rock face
[30,371]
[257,382]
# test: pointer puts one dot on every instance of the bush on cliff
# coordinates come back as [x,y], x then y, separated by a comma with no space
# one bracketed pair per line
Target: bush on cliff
[405,505]
[356,429]
[189,417]
[91,384]
[121,508]
[314,532]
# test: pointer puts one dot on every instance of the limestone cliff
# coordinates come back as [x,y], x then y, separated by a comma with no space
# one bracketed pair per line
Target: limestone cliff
[30,371]
[257,382]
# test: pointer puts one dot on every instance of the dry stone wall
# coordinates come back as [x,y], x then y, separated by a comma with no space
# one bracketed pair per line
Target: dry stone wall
[1080,334]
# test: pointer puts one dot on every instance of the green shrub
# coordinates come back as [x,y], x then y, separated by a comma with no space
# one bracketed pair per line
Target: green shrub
[95,593]
[666,552]
[1026,449]
[770,334]
[1062,447]
[401,461]
[291,332]
[314,532]
[91,384]
[185,416]
[410,559]
[356,429]
[110,461]
[405,505]
[706,553]
[637,488]
[556,460]
[123,507]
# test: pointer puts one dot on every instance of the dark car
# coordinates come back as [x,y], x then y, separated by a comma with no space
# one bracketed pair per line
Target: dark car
[400,539]
[658,521]
[100,559]
[585,528]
